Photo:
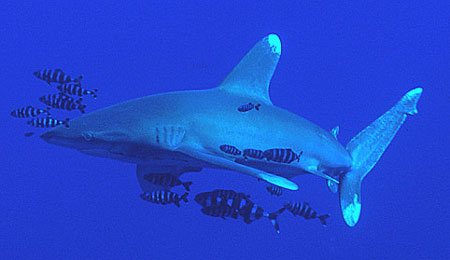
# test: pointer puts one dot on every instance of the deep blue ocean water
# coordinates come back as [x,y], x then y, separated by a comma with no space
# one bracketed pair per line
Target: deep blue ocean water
[342,64]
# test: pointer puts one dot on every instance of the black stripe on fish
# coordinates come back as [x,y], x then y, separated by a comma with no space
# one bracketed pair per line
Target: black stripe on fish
[253,153]
[166,180]
[229,149]
[164,197]
[281,155]
[274,190]
[248,107]
[305,210]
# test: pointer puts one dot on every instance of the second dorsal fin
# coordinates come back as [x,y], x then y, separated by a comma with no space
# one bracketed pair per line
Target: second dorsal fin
[251,77]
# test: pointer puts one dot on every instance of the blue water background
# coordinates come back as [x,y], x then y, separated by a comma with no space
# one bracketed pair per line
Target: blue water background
[343,63]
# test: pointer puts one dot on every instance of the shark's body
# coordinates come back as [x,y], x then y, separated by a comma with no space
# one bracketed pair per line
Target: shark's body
[179,132]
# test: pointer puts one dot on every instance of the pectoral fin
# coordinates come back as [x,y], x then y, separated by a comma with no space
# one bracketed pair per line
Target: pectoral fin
[231,165]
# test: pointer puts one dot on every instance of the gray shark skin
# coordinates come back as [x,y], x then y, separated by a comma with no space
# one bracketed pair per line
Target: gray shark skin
[182,131]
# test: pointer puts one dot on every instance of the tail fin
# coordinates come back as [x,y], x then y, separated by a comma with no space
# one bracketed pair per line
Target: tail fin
[94,93]
[184,197]
[66,122]
[257,106]
[187,184]
[366,149]
[323,219]
[273,218]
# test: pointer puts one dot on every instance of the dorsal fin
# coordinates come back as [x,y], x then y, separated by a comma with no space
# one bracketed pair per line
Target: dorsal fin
[251,77]
[335,131]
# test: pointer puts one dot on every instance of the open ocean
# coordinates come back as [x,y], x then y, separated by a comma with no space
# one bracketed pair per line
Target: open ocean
[343,63]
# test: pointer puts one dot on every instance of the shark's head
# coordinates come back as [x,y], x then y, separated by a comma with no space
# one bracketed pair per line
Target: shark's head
[75,136]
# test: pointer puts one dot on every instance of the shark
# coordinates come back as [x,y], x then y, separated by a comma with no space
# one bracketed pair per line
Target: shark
[179,132]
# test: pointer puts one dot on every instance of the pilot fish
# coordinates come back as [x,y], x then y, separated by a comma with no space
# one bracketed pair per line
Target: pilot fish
[281,155]
[28,111]
[229,149]
[55,75]
[45,122]
[248,107]
[62,101]
[164,197]
[253,153]
[76,89]
[274,190]
[304,209]
[166,180]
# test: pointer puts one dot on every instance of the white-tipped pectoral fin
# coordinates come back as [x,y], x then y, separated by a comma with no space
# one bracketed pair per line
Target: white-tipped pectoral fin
[231,165]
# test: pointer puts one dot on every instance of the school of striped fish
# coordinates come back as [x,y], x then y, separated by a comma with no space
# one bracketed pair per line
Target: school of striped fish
[67,87]
[221,203]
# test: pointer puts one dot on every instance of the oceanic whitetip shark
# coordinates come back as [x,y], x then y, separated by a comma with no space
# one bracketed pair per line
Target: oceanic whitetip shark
[180,132]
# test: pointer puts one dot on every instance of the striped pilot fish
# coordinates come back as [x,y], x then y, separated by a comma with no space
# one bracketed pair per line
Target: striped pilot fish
[55,75]
[281,155]
[248,107]
[29,111]
[76,89]
[45,122]
[229,149]
[304,209]
[167,180]
[253,153]
[274,190]
[62,101]
[164,197]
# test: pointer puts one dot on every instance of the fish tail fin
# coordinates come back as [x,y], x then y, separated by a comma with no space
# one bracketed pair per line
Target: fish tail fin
[78,79]
[187,184]
[81,108]
[273,219]
[366,149]
[298,156]
[47,111]
[257,106]
[323,219]
[94,93]
[184,197]
[66,122]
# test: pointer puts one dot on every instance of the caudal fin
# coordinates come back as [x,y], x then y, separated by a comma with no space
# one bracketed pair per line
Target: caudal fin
[187,184]
[323,219]
[184,197]
[366,149]
[273,219]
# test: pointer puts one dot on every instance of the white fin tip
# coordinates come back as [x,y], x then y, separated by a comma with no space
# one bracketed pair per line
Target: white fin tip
[409,101]
[275,43]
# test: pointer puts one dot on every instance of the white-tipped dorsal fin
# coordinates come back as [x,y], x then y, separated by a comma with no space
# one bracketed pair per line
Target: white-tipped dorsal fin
[335,131]
[251,77]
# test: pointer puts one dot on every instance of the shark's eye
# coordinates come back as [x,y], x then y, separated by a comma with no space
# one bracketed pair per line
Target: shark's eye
[88,136]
